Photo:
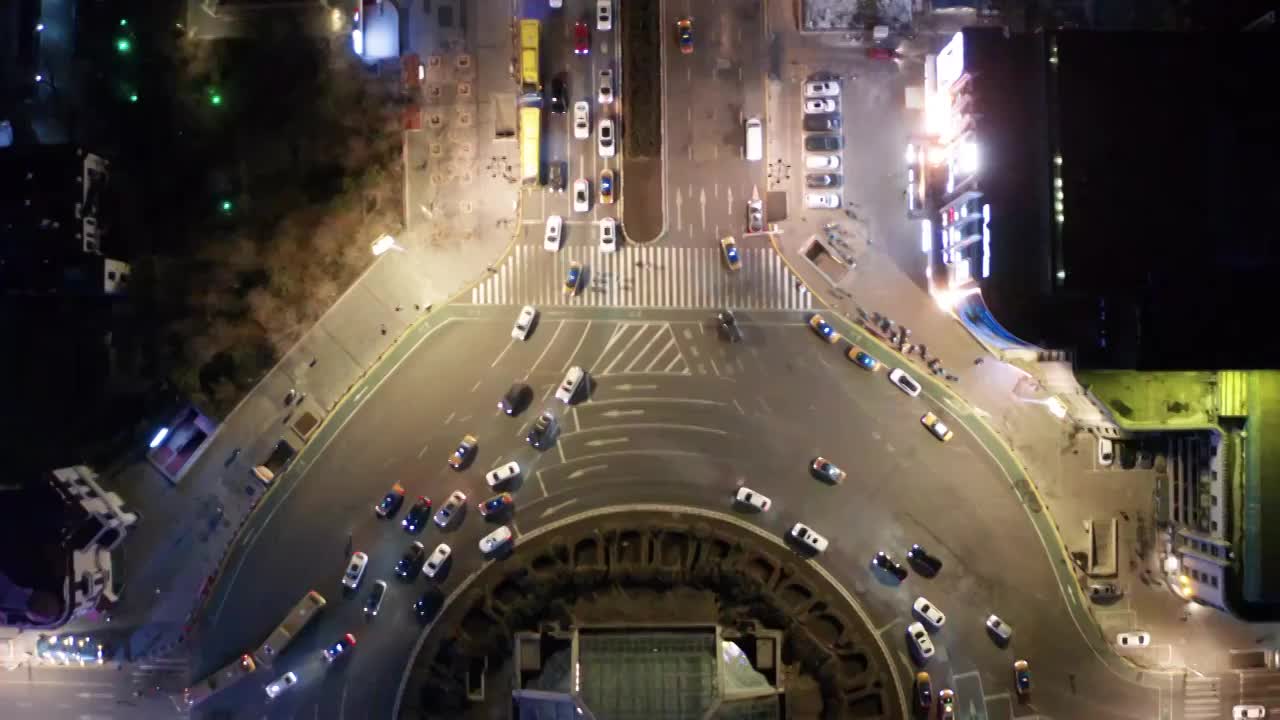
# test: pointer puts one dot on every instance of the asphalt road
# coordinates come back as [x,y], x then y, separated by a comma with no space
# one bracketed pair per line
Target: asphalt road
[675,416]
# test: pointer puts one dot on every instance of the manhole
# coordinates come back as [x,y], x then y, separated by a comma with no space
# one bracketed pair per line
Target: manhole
[464,118]
[464,89]
[435,121]
[436,150]
[464,62]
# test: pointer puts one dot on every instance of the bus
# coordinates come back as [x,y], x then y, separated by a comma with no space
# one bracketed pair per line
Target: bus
[220,680]
[530,144]
[297,619]
[529,39]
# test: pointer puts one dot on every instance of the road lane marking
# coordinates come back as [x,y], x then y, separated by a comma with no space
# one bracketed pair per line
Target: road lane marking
[673,364]
[547,349]
[476,386]
[714,368]
[450,418]
[577,347]
[560,449]
[627,347]
[618,331]
[621,413]
[422,452]
[627,387]
[501,354]
[576,424]
[740,410]
[670,344]
[608,441]
[556,508]
[540,483]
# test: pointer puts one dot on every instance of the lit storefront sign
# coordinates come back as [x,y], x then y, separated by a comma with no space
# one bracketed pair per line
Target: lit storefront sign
[950,63]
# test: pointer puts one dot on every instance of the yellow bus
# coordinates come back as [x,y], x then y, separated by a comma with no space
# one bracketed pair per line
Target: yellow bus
[529,39]
[530,145]
[297,619]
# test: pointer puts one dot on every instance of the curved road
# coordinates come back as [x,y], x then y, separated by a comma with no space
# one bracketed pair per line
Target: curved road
[675,416]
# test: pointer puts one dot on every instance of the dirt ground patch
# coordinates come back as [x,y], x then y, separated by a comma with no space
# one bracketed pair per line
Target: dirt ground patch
[642,218]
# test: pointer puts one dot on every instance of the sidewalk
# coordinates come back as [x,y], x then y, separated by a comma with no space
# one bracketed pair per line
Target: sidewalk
[187,529]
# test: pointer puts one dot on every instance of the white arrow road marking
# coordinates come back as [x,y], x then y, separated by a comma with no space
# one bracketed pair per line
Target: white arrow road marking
[627,387]
[579,473]
[622,413]
[555,508]
[607,441]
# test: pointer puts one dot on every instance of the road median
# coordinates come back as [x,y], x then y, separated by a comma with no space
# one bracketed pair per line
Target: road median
[642,98]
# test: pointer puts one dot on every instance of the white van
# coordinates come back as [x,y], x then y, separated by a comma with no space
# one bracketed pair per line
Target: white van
[755,139]
[569,386]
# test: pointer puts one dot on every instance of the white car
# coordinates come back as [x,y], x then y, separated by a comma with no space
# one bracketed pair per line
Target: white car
[822,89]
[438,558]
[355,570]
[569,386]
[608,235]
[904,382]
[444,516]
[552,239]
[805,534]
[819,105]
[498,476]
[557,4]
[747,496]
[605,138]
[581,120]
[1106,451]
[1248,712]
[822,162]
[1001,629]
[284,682]
[821,200]
[920,641]
[495,540]
[581,195]
[929,612]
[1137,638]
[524,322]
[604,14]
[606,86]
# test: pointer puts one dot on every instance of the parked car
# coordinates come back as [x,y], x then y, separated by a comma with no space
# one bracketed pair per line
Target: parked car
[1106,451]
[502,475]
[1001,631]
[822,162]
[928,612]
[438,558]
[826,122]
[822,201]
[822,88]
[1248,712]
[1134,639]
[823,143]
[823,180]
[494,540]
[446,513]
[814,106]
[922,558]
[355,570]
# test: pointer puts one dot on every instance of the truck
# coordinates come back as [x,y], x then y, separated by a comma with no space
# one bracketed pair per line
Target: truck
[297,619]
[280,457]
[226,677]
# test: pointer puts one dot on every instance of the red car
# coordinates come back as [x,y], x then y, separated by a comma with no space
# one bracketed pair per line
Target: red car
[879,53]
[581,38]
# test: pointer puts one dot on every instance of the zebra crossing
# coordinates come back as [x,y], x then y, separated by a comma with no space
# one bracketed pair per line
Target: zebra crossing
[644,276]
[1201,699]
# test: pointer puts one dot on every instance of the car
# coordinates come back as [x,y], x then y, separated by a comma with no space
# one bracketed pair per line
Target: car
[339,648]
[494,540]
[999,629]
[581,120]
[390,503]
[1103,591]
[822,162]
[604,14]
[555,175]
[825,122]
[606,87]
[407,567]
[608,235]
[573,278]
[1135,639]
[417,515]
[747,496]
[604,138]
[542,431]
[883,561]
[814,106]
[524,323]
[823,180]
[732,257]
[935,426]
[822,89]
[581,195]
[826,470]
[1106,451]
[437,560]
[728,324]
[282,683]
[862,359]
[920,642]
[553,237]
[821,201]
[806,536]
[929,612]
[1248,712]
[922,558]
[426,606]
[496,504]
[374,602]
[581,38]
[825,331]
[573,379]
[684,35]
[556,4]
[515,399]
[923,694]
[755,216]
[1021,678]
[823,143]
[355,570]
[606,186]
[946,704]
[502,475]
[879,53]
[558,93]
[904,382]
[464,453]
[446,513]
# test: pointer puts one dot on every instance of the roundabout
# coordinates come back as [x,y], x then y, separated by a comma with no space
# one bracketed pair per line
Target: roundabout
[675,418]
